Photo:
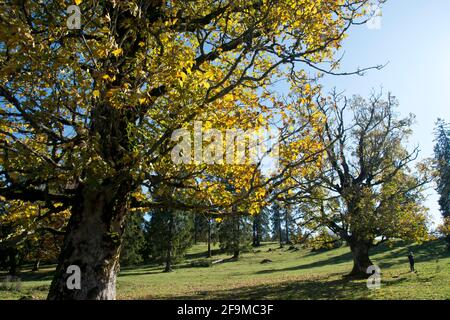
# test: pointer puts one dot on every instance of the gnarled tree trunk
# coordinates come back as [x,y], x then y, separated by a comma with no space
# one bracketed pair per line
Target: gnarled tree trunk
[361,260]
[94,232]
[92,243]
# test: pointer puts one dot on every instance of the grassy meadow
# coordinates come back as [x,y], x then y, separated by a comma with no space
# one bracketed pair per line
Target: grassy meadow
[292,274]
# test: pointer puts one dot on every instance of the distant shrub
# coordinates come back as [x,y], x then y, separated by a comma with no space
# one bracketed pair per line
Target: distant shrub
[203,263]
[10,283]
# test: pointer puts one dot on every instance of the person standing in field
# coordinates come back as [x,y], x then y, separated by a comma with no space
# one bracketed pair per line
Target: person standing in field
[411,261]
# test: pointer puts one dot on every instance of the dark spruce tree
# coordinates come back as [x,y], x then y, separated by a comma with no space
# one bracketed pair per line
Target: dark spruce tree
[289,225]
[133,241]
[235,235]
[277,220]
[200,227]
[212,234]
[261,227]
[442,157]
[169,235]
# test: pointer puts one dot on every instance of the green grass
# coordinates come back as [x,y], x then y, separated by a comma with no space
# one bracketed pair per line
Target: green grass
[292,275]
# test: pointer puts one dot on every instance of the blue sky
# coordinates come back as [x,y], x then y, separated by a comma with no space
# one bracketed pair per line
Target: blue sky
[414,37]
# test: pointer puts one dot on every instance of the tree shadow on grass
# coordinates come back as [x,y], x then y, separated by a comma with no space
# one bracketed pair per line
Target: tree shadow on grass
[319,289]
[143,273]
[42,275]
[343,258]
[396,255]
[203,254]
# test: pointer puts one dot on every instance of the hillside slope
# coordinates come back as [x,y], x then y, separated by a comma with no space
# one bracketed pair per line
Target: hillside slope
[292,274]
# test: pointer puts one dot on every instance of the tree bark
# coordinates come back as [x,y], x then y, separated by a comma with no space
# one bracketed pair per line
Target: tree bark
[361,260]
[92,242]
[95,229]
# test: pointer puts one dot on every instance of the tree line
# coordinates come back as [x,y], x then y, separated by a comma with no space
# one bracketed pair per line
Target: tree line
[163,237]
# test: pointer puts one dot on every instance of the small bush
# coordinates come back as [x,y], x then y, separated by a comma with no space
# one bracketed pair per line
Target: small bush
[44,287]
[10,283]
[204,263]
